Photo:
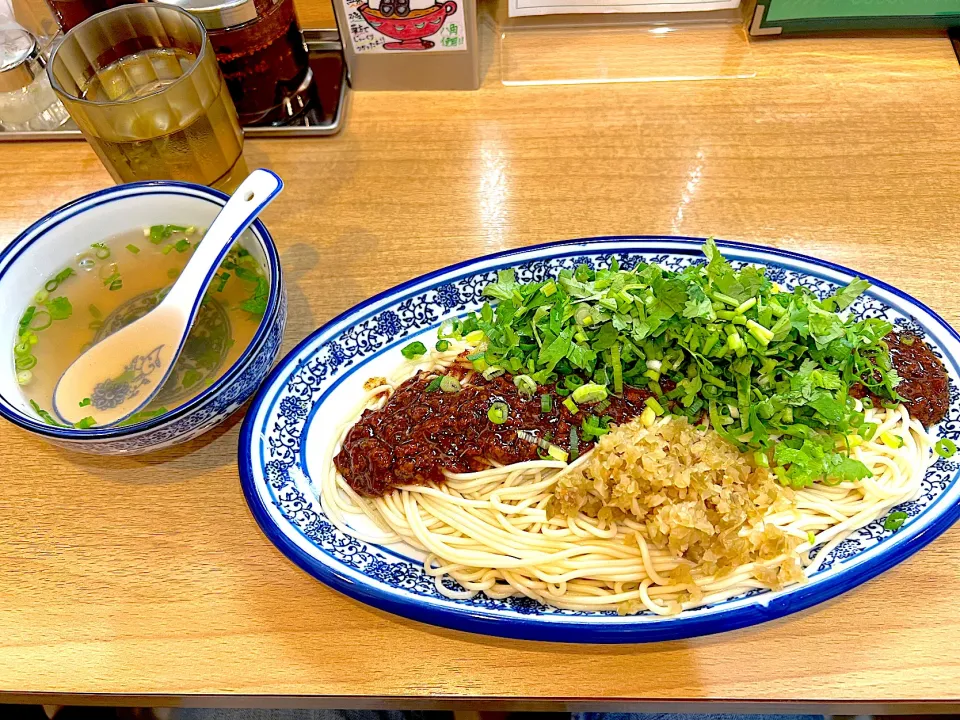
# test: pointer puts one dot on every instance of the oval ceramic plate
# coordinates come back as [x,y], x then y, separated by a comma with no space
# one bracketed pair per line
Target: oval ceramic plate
[294,415]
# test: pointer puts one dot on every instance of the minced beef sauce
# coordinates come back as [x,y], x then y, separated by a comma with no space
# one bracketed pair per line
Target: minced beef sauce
[417,434]
[923,379]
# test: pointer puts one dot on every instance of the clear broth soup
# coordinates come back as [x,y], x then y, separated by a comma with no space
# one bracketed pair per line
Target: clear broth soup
[117,281]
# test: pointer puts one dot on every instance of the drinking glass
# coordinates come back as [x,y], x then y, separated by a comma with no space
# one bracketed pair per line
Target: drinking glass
[142,83]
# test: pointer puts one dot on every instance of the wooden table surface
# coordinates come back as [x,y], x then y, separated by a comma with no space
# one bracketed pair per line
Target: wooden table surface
[147,577]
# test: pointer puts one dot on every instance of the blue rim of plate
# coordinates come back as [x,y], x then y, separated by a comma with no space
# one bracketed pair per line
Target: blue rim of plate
[151,187]
[582,629]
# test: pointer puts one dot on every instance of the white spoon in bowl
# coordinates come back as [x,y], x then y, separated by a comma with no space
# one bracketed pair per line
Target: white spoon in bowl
[123,372]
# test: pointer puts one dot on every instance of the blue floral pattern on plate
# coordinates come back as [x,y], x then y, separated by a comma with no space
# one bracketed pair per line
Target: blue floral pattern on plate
[282,497]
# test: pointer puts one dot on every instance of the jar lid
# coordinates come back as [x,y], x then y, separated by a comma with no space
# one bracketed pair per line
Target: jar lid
[20,59]
[218,14]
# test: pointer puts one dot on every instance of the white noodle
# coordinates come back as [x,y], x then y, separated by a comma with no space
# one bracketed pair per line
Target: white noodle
[489,530]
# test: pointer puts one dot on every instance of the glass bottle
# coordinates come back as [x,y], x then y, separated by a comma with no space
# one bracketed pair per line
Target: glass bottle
[26,100]
[261,54]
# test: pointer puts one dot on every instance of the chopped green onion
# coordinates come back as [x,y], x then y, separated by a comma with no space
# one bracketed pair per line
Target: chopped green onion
[492,372]
[25,320]
[526,385]
[617,369]
[44,415]
[24,376]
[867,402]
[167,249]
[868,430]
[761,459]
[85,423]
[652,403]
[133,248]
[116,284]
[95,324]
[95,312]
[22,348]
[498,412]
[173,273]
[54,282]
[449,384]
[85,402]
[648,417]
[434,384]
[895,520]
[557,453]
[945,448]
[413,350]
[442,345]
[41,320]
[570,405]
[41,297]
[474,338]
[891,440]
[546,403]
[761,333]
[589,393]
[549,289]
[101,251]
[574,444]
[182,245]
[811,538]
[745,305]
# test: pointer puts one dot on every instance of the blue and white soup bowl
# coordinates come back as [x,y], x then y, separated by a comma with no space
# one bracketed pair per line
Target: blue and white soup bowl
[53,242]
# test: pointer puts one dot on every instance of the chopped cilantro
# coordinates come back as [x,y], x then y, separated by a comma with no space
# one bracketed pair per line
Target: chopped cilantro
[895,520]
[725,338]
[59,308]
[256,304]
[141,416]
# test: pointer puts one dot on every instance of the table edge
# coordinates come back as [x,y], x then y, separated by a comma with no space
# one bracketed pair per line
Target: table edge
[229,699]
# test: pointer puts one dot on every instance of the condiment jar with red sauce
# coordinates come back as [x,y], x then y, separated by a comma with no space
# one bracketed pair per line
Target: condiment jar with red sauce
[70,13]
[261,53]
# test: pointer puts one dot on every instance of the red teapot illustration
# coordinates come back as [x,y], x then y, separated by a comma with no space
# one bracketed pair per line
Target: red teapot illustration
[409,21]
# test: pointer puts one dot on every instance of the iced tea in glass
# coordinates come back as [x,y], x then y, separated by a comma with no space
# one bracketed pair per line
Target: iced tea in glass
[143,84]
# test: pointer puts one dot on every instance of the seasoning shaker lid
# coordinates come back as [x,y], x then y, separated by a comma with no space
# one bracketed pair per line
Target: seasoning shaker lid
[218,14]
[20,59]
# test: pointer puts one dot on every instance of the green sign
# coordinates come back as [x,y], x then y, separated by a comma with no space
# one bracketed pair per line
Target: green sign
[776,16]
